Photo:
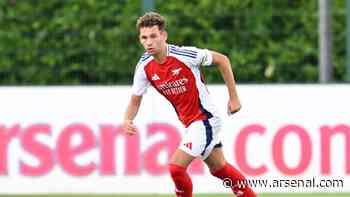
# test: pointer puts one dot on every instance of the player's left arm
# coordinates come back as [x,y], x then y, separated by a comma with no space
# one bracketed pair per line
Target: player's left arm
[224,65]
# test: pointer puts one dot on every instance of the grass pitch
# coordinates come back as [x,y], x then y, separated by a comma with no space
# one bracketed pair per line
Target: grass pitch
[198,195]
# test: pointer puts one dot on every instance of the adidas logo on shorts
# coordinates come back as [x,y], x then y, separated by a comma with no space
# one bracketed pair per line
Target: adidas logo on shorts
[188,145]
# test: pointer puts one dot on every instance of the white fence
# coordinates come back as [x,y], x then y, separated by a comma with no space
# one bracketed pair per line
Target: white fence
[68,140]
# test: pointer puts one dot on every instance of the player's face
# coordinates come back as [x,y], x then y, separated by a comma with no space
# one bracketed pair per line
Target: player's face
[152,39]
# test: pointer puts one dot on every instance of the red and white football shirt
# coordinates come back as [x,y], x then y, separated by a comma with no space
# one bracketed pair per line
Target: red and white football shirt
[179,80]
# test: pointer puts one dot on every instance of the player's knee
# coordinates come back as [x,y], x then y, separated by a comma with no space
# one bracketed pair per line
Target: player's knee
[176,170]
[216,165]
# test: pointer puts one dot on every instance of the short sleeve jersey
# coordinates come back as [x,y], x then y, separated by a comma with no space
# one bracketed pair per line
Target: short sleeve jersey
[179,80]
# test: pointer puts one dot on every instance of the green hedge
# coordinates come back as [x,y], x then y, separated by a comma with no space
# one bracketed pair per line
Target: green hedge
[95,42]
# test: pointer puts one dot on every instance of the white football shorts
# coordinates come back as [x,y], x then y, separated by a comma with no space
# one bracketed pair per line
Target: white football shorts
[201,137]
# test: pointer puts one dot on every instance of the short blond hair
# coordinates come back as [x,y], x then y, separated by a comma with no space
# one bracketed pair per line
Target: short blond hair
[151,19]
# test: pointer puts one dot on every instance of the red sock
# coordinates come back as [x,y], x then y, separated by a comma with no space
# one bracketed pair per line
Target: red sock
[182,180]
[229,172]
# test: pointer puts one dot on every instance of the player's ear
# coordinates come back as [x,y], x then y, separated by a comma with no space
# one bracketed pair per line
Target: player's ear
[140,36]
[165,35]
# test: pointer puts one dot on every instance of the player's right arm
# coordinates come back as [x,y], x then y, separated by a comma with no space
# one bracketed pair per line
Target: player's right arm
[130,114]
[139,88]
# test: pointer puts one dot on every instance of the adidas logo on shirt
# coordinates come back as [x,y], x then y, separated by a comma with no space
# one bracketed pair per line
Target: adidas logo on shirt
[155,77]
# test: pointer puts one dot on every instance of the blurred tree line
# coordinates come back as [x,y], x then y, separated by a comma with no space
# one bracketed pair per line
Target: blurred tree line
[60,42]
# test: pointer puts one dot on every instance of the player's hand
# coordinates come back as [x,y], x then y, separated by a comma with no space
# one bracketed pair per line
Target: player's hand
[233,106]
[129,128]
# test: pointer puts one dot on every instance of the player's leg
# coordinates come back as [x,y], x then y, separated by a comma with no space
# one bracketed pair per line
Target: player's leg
[177,168]
[223,170]
[198,141]
[215,160]
[181,159]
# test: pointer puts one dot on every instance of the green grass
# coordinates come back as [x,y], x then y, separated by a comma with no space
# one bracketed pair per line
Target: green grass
[199,195]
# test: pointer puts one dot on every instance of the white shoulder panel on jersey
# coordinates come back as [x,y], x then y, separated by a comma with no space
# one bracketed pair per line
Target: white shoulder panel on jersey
[141,82]
[145,58]
[191,56]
